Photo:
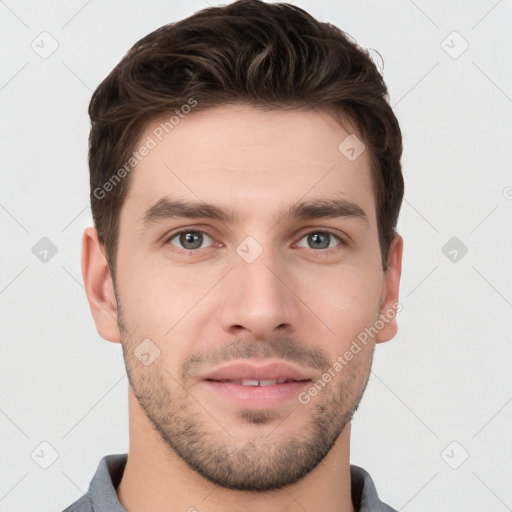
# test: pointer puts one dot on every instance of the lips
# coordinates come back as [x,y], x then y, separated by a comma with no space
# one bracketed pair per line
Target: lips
[263,374]
[256,384]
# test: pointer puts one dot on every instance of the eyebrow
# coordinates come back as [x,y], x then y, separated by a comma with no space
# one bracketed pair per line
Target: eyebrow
[167,208]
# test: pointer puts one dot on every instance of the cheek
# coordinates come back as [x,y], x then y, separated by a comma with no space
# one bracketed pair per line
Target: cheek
[348,303]
[154,294]
[347,299]
[162,305]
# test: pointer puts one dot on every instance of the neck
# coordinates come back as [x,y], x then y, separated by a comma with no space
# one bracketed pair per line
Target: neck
[156,478]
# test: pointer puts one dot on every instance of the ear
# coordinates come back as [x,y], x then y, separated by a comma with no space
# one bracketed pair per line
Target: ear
[389,300]
[99,286]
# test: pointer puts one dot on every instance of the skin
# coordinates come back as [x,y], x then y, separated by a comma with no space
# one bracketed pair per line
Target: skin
[190,447]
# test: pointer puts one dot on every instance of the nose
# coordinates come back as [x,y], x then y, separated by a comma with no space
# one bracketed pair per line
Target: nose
[259,298]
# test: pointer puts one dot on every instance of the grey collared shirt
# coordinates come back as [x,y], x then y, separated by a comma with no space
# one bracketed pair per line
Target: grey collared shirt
[102,496]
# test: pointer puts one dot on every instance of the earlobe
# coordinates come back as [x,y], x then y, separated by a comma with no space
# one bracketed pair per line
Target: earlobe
[390,304]
[99,286]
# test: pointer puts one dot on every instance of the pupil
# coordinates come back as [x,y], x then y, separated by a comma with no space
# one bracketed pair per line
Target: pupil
[189,238]
[316,237]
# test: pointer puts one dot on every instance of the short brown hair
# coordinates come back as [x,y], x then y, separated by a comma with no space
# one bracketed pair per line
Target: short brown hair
[271,56]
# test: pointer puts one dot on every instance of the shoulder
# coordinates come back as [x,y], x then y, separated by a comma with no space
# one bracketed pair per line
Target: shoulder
[84,504]
[102,495]
[364,492]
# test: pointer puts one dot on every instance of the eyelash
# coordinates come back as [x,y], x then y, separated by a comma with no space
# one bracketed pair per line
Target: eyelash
[316,252]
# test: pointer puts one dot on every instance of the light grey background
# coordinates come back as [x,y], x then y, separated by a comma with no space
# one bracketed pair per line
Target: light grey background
[445,377]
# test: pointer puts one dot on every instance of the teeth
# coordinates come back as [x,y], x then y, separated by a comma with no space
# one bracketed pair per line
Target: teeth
[250,382]
[270,382]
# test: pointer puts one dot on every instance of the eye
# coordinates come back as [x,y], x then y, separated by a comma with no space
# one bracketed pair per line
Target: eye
[189,239]
[322,240]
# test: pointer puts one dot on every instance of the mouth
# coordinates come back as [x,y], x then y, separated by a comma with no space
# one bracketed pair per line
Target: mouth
[252,385]
[258,372]
[256,382]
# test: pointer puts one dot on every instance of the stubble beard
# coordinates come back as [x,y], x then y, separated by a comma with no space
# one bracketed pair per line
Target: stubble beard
[261,463]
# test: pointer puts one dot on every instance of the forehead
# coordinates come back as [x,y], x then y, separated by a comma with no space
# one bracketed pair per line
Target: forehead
[243,157]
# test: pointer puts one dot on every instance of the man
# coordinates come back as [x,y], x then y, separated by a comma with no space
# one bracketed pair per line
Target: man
[245,188]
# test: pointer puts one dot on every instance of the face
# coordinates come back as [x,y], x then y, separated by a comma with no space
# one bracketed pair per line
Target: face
[232,309]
